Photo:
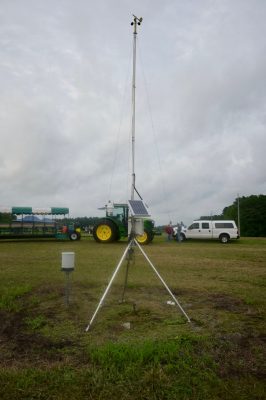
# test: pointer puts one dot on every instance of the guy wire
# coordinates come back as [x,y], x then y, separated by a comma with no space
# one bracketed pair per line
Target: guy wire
[154,136]
[119,130]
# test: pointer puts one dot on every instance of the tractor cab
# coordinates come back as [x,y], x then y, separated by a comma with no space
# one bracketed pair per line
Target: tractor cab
[119,212]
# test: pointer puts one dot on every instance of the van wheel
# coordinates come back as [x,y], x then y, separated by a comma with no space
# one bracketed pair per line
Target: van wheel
[224,238]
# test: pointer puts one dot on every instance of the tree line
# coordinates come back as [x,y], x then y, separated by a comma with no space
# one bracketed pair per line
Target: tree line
[251,213]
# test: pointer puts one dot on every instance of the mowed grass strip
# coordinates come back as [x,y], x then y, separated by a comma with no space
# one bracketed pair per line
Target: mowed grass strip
[142,348]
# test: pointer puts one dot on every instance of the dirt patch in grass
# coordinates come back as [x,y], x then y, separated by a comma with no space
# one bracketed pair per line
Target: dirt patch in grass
[223,301]
[239,355]
[19,346]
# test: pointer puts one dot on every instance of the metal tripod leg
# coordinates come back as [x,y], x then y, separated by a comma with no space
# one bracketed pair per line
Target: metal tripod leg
[110,283]
[130,258]
[116,271]
[163,282]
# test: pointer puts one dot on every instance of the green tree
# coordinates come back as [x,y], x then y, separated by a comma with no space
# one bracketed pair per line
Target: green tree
[82,221]
[252,214]
[5,218]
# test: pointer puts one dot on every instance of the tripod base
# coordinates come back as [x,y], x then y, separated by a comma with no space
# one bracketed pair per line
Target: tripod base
[128,252]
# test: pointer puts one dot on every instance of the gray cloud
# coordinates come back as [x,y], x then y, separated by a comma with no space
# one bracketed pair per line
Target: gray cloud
[65,75]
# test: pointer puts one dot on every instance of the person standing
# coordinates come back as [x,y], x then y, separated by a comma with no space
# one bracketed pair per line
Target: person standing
[169,231]
[178,232]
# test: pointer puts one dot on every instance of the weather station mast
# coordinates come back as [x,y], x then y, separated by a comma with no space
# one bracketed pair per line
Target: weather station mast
[136,21]
[132,232]
[137,208]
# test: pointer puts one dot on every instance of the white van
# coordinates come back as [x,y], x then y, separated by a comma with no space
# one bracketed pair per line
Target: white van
[203,229]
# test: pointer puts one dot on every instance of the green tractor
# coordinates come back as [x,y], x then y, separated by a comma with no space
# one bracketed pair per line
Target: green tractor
[115,226]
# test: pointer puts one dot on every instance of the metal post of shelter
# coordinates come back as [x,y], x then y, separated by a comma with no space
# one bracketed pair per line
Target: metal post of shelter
[67,288]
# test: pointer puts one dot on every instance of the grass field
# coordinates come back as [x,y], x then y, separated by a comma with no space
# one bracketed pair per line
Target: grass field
[46,353]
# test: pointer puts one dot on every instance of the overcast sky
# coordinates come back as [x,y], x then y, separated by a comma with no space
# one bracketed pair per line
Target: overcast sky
[65,115]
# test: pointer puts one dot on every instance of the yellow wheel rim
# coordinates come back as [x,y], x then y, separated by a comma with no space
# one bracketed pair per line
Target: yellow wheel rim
[104,232]
[142,238]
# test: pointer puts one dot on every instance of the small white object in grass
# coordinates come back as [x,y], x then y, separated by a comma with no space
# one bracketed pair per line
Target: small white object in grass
[170,303]
[126,325]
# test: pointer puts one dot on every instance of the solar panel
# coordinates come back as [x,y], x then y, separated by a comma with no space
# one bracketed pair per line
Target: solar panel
[138,208]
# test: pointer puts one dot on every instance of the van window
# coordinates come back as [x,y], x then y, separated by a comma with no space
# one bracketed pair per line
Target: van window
[224,225]
[205,225]
[195,225]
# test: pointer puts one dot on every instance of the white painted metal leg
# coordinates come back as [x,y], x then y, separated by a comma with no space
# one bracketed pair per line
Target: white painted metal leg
[109,285]
[163,282]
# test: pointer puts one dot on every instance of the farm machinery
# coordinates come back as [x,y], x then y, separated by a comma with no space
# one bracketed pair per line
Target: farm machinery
[117,225]
[29,222]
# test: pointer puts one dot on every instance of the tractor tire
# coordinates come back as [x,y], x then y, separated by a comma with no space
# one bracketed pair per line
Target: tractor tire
[146,238]
[105,232]
[74,236]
